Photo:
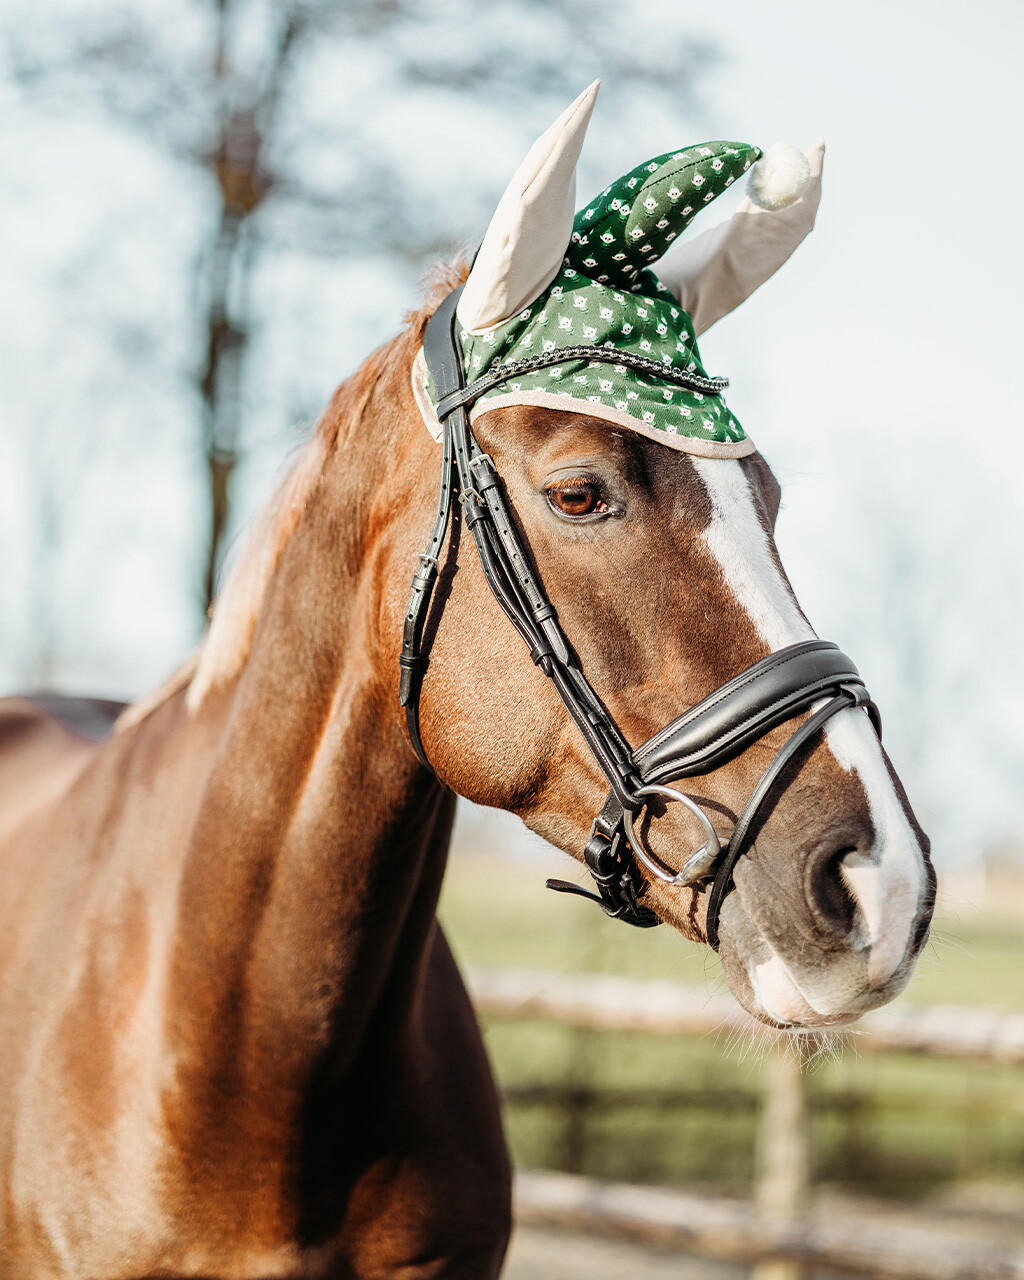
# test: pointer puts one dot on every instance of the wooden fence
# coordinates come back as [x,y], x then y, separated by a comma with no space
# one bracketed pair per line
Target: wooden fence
[603,1002]
[730,1232]
[778,1233]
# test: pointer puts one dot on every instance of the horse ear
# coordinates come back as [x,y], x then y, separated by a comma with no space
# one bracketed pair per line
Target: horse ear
[637,219]
[527,238]
[714,273]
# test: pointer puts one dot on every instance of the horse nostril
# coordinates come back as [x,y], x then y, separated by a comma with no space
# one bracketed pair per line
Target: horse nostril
[828,893]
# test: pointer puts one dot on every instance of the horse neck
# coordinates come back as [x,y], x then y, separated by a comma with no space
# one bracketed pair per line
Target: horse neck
[315,863]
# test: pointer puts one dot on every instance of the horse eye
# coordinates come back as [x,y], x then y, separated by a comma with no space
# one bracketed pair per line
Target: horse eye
[576,498]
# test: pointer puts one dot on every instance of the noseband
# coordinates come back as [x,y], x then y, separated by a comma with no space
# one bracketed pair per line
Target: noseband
[717,730]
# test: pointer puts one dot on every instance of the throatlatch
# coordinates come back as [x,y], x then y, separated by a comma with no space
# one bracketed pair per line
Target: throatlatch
[740,712]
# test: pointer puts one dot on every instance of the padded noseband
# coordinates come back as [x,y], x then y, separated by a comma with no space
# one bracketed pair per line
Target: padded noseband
[811,676]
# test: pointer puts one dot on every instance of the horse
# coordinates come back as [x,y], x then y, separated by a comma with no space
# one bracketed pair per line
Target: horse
[235,1041]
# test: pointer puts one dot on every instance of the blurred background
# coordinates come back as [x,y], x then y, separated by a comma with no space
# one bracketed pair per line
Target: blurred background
[210,212]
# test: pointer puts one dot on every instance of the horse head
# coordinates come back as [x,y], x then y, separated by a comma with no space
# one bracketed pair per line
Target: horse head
[644,517]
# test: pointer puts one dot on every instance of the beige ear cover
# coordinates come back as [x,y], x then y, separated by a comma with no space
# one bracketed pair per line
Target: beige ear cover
[527,238]
[713,273]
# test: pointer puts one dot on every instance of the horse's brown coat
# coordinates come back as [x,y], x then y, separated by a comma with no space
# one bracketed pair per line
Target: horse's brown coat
[235,1041]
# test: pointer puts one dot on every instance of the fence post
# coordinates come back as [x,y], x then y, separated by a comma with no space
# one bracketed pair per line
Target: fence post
[783,1151]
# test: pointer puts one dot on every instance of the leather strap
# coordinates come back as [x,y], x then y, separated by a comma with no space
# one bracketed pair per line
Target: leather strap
[725,723]
[412,660]
[464,397]
[510,576]
[715,731]
[723,880]
[743,710]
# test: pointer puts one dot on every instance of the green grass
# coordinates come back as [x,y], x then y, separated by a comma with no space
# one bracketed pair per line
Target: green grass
[680,1109]
[497,913]
[968,963]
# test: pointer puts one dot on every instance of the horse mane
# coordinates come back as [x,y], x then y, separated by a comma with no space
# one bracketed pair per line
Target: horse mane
[228,640]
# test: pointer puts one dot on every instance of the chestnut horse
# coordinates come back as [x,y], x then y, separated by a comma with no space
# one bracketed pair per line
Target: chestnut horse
[235,1043]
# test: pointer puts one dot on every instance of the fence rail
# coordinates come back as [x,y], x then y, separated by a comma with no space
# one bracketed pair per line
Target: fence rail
[779,1233]
[604,1002]
[729,1231]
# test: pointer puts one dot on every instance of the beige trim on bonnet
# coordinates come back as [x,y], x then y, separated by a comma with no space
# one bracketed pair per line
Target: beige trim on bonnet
[569,404]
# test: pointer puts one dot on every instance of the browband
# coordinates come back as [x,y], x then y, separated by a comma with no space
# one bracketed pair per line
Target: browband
[501,373]
[742,711]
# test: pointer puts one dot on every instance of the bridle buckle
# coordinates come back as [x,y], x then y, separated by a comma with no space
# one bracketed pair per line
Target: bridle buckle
[601,854]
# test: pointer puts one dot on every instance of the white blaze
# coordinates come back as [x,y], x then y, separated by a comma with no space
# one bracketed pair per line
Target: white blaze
[737,540]
[887,882]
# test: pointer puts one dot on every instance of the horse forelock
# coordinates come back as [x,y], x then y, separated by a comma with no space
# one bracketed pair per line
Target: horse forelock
[438,284]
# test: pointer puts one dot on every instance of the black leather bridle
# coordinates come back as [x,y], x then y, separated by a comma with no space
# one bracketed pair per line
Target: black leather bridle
[740,712]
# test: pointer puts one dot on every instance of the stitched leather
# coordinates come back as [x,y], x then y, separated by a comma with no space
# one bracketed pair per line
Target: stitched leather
[721,727]
[718,729]
[744,710]
[759,797]
[412,660]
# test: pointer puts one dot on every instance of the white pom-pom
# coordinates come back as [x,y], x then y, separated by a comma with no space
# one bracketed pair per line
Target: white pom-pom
[780,177]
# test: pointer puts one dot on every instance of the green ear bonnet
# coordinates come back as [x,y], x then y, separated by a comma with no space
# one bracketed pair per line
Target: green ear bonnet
[607,295]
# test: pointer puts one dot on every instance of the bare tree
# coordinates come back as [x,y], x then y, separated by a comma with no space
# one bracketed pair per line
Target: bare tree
[228,100]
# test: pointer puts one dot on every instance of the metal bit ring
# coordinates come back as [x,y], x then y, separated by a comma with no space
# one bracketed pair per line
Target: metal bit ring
[698,864]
